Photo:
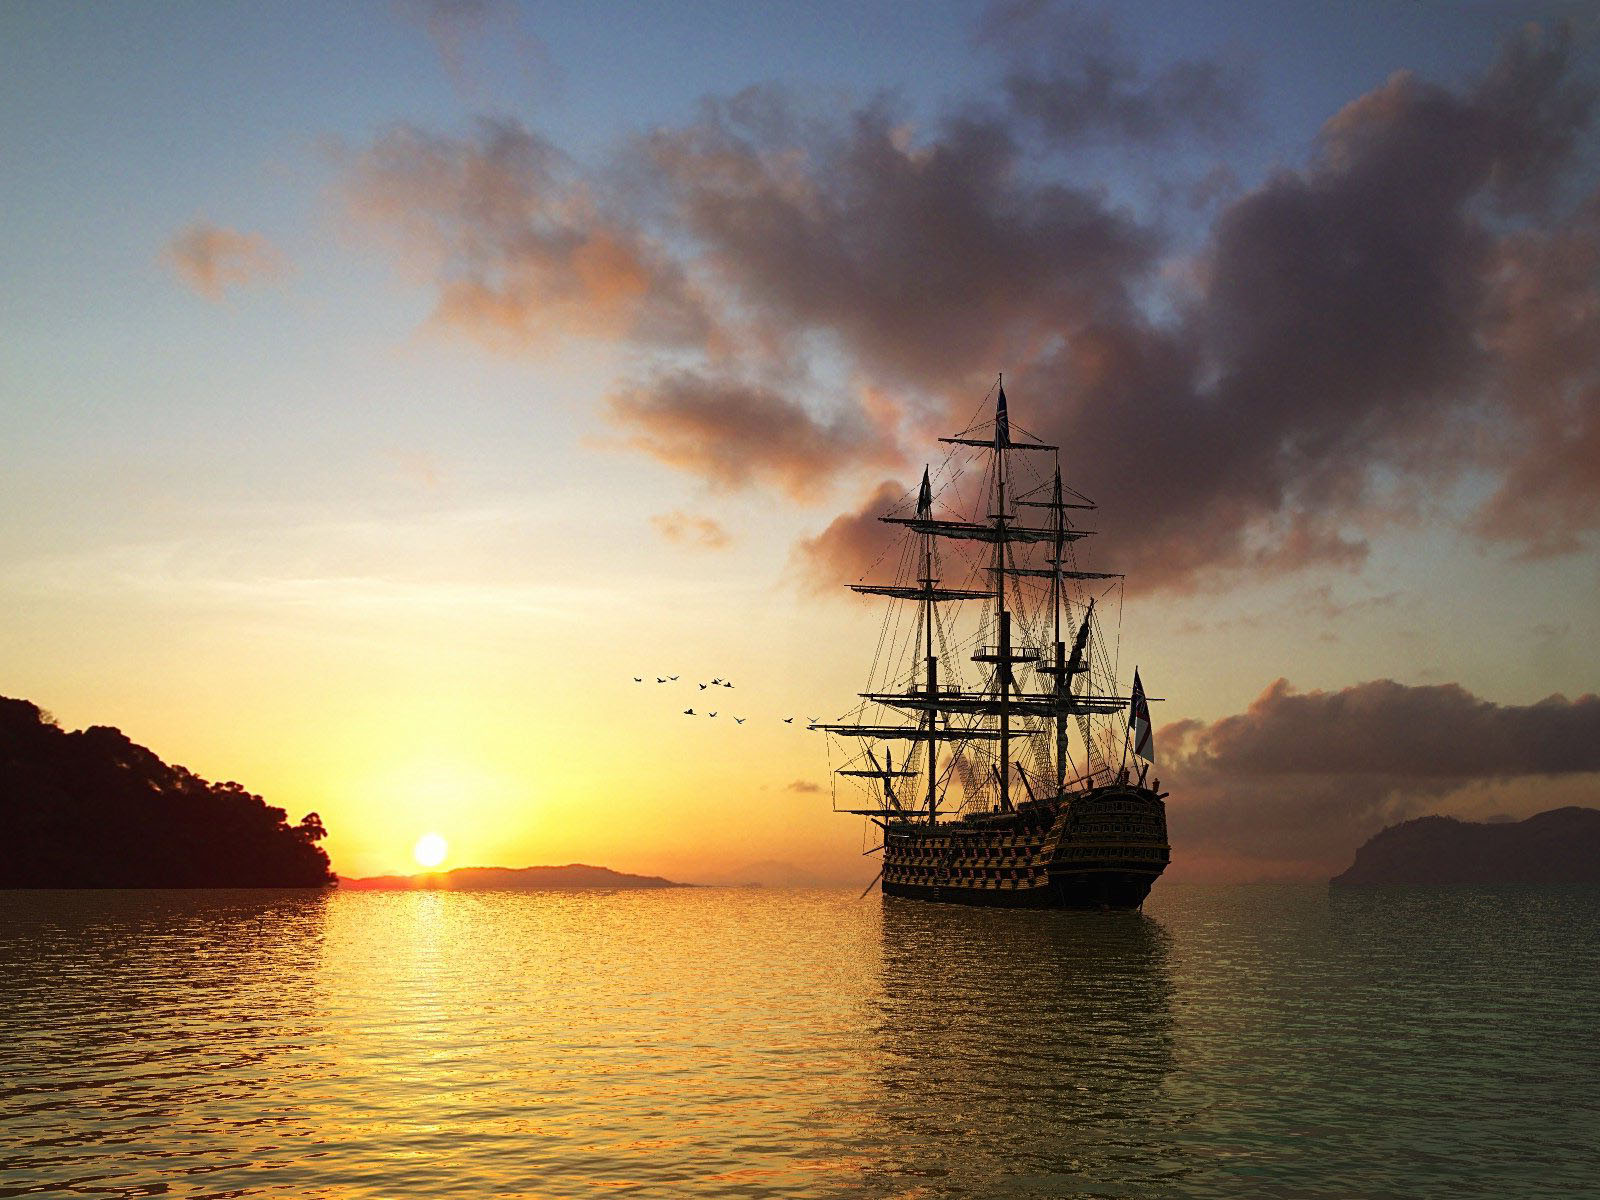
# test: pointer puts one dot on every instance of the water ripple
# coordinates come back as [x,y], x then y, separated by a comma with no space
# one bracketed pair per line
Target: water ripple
[1268,1041]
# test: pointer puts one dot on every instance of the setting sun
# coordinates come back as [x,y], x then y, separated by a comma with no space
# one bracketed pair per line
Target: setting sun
[430,850]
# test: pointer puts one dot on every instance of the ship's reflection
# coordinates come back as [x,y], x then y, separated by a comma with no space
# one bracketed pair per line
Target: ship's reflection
[1017,1045]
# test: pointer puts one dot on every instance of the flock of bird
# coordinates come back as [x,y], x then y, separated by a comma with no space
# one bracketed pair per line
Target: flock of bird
[718,682]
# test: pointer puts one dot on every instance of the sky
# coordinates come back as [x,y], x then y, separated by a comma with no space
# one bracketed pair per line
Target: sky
[384,386]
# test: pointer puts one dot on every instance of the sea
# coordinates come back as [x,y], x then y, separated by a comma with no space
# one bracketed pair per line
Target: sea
[1248,1041]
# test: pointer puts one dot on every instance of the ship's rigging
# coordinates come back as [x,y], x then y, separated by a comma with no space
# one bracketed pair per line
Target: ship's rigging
[993,672]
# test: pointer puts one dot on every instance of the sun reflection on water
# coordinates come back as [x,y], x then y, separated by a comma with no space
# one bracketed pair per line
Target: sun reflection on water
[740,1042]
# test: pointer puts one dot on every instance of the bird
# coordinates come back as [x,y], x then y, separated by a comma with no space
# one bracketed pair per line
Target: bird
[638,678]
[739,720]
[788,720]
[711,714]
[659,679]
[674,678]
[702,687]
[727,685]
[716,681]
[688,712]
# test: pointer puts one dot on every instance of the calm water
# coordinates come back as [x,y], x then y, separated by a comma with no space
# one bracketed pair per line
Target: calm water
[1254,1041]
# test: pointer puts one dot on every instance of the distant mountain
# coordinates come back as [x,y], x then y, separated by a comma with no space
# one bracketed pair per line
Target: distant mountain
[1559,846]
[95,810]
[775,873]
[529,879]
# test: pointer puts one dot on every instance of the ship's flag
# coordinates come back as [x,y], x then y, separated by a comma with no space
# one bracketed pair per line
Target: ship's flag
[1144,745]
[1002,422]
[925,496]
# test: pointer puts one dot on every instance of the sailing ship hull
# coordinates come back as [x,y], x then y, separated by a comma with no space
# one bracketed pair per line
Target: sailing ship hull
[1099,849]
[1084,890]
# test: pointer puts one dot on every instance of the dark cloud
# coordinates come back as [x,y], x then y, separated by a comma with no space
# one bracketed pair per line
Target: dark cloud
[1543,327]
[1391,729]
[926,258]
[803,785]
[919,260]
[515,243]
[1343,325]
[1352,337]
[1414,306]
[734,433]
[211,259]
[466,33]
[454,24]
[1304,778]
[852,544]
[1070,75]
[691,530]
[1217,184]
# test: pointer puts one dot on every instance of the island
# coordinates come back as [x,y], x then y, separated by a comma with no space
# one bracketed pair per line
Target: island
[93,809]
[523,879]
[1561,846]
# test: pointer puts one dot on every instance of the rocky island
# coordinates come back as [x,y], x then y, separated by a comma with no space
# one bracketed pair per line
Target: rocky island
[1558,846]
[93,809]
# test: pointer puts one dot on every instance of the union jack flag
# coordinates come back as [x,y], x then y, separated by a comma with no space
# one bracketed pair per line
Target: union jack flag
[1144,744]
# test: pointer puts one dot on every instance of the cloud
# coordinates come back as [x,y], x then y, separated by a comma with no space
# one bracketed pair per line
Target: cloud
[1342,330]
[1414,308]
[1323,370]
[926,257]
[513,241]
[1069,73]
[803,785]
[453,23]
[1305,777]
[1543,327]
[420,469]
[736,434]
[1388,728]
[211,259]
[463,31]
[690,530]
[852,544]
[1338,332]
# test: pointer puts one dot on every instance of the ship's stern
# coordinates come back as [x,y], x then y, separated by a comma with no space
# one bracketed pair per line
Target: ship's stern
[1112,849]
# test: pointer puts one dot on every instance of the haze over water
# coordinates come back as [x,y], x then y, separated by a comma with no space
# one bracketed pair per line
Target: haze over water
[1233,1041]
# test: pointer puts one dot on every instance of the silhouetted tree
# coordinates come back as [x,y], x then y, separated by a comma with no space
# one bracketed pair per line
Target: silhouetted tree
[94,809]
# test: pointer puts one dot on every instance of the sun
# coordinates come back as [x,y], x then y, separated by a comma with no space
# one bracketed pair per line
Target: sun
[430,850]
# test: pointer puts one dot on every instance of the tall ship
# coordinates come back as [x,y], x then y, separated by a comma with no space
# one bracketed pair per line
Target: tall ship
[1022,773]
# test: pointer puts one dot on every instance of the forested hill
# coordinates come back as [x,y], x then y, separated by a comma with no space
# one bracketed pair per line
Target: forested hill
[92,809]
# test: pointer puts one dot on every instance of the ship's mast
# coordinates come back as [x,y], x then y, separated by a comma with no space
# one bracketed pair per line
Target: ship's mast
[925,512]
[963,710]
[1002,674]
[1062,679]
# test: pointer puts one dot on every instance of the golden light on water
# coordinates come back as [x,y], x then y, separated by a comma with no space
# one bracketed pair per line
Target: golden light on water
[430,850]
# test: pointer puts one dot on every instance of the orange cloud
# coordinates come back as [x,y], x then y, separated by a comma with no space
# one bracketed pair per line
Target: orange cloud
[513,242]
[691,530]
[735,434]
[211,259]
[844,551]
